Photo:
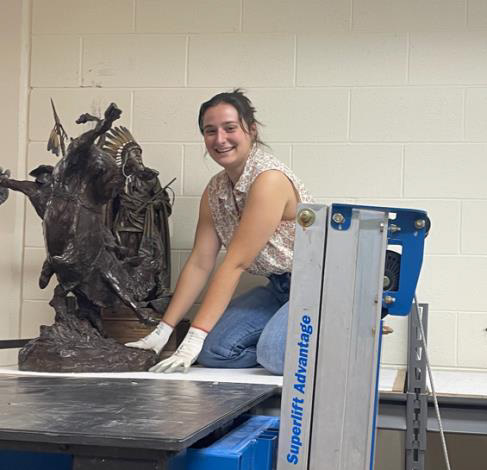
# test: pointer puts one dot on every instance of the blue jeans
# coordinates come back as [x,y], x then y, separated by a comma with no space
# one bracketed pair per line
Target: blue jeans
[252,330]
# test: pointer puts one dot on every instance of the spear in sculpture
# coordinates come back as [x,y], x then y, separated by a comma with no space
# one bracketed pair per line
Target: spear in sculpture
[55,144]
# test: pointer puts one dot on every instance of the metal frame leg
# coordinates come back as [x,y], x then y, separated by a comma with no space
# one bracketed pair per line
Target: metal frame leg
[417,395]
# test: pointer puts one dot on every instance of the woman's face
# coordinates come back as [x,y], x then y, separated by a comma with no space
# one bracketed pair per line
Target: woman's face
[225,139]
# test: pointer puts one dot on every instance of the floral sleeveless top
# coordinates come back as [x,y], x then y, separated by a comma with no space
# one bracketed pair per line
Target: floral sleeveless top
[227,203]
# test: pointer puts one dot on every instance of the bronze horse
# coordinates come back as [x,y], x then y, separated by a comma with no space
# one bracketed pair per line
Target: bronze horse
[81,250]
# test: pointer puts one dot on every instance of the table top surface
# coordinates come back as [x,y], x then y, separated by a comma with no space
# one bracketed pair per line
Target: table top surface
[122,413]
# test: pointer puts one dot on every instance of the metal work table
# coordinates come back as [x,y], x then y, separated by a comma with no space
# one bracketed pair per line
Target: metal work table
[117,423]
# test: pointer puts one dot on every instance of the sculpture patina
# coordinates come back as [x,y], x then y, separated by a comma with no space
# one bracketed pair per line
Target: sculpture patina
[138,218]
[105,222]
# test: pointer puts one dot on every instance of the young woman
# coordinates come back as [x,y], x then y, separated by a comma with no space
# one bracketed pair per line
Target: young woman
[249,208]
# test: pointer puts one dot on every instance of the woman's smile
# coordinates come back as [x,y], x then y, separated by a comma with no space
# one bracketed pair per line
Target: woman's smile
[226,140]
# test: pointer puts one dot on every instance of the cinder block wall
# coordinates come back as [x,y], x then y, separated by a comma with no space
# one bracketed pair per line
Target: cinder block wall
[11,134]
[369,101]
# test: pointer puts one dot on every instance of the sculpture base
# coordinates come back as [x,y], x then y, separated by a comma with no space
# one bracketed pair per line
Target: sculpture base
[72,344]
[123,325]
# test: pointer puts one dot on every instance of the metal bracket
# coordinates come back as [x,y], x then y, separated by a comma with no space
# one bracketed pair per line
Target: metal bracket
[416,393]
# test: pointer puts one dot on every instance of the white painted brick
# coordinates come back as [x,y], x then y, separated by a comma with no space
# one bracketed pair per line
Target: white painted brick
[199,167]
[175,267]
[10,268]
[33,228]
[33,259]
[242,60]
[9,213]
[472,340]
[475,115]
[190,16]
[9,357]
[442,338]
[477,14]
[281,152]
[349,170]
[70,104]
[167,159]
[169,115]
[453,283]
[184,258]
[448,58]
[302,115]
[407,114]
[55,61]
[134,61]
[13,43]
[442,334]
[247,281]
[444,236]
[296,15]
[395,345]
[474,227]
[184,219]
[38,155]
[34,314]
[445,171]
[10,275]
[327,201]
[351,59]
[413,15]
[89,16]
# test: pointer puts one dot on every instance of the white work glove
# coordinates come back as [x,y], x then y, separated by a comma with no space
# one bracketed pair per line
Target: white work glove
[185,355]
[155,340]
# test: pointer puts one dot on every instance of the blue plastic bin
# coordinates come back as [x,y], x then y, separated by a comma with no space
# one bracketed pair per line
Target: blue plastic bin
[250,446]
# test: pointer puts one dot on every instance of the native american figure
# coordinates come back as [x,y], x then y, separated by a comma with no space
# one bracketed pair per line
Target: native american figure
[138,218]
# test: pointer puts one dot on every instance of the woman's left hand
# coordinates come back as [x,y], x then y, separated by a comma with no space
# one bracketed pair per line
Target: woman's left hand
[185,355]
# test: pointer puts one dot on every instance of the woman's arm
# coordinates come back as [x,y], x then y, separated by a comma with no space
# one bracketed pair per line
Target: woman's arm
[198,267]
[191,280]
[270,198]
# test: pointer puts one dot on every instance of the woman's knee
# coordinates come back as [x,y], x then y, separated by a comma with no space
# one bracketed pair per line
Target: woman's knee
[271,346]
[212,354]
[219,352]
[272,361]
[270,352]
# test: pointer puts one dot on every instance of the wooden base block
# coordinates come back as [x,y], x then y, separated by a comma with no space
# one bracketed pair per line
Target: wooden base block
[124,327]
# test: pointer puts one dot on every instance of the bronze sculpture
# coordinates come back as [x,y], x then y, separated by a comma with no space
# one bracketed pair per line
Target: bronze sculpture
[97,265]
[138,217]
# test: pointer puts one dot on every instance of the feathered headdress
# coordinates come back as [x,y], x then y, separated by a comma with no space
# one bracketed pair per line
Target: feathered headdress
[118,141]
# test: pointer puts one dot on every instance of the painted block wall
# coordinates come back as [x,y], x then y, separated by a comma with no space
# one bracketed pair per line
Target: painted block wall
[369,101]
[12,157]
